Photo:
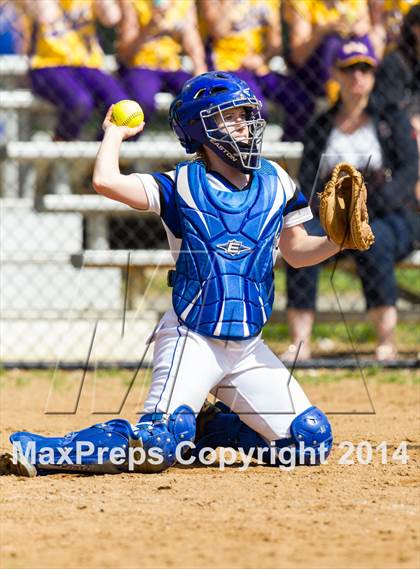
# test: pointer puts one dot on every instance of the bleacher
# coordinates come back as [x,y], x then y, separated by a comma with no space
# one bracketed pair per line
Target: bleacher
[57,247]
[49,307]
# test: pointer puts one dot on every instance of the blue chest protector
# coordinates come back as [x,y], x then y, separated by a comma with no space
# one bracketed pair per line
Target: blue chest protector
[224,285]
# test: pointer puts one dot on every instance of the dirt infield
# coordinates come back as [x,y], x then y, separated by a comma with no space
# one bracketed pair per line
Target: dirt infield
[336,515]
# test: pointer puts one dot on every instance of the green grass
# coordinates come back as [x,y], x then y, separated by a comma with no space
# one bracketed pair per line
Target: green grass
[371,374]
[29,378]
[362,333]
[349,283]
[21,379]
[410,279]
[407,334]
[66,380]
[343,281]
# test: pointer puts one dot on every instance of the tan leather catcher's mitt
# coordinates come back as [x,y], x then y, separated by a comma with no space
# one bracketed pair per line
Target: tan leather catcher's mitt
[343,212]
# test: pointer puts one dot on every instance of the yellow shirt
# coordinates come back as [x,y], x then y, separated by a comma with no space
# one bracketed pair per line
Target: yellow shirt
[402,6]
[70,40]
[162,47]
[317,12]
[395,10]
[250,20]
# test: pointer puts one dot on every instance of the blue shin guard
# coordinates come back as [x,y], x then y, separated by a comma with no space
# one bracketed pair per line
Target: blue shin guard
[111,447]
[159,431]
[102,448]
[309,443]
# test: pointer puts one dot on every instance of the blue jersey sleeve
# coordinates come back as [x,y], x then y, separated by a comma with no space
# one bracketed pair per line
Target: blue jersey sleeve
[295,203]
[168,210]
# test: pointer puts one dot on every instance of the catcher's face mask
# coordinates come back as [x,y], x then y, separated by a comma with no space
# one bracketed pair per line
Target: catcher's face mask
[235,131]
[199,116]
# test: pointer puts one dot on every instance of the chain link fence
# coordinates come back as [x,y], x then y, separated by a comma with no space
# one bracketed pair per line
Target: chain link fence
[81,277]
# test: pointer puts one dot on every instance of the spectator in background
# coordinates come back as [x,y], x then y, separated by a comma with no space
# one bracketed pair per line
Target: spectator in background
[243,41]
[381,145]
[66,59]
[398,77]
[316,28]
[12,29]
[389,14]
[152,36]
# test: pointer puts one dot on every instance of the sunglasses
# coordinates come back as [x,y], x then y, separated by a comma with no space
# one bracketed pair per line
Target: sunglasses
[362,67]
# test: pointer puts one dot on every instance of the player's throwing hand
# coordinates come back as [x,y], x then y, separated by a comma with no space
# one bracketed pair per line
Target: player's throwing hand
[125,131]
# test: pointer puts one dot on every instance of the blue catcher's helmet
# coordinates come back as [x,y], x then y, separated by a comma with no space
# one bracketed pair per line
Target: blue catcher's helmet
[196,118]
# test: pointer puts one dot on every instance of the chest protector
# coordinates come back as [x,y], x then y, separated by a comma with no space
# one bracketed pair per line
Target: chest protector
[224,281]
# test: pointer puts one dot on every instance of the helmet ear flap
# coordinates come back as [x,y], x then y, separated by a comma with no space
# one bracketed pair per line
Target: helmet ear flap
[186,141]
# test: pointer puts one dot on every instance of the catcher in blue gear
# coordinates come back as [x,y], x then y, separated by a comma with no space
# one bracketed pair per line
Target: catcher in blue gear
[227,213]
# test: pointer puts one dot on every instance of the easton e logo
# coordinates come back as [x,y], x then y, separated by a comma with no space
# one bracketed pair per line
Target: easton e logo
[233,247]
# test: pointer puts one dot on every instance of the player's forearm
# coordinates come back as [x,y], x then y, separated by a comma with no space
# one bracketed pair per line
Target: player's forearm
[128,48]
[194,48]
[302,50]
[108,12]
[130,37]
[107,167]
[309,250]
[46,12]
[274,42]
[218,27]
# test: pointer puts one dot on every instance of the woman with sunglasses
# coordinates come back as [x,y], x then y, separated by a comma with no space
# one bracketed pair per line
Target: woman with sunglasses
[382,146]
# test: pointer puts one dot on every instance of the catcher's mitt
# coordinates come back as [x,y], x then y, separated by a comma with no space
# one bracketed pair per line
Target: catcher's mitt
[343,212]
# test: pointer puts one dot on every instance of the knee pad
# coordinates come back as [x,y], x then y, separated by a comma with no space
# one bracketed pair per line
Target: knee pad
[312,435]
[89,450]
[160,434]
